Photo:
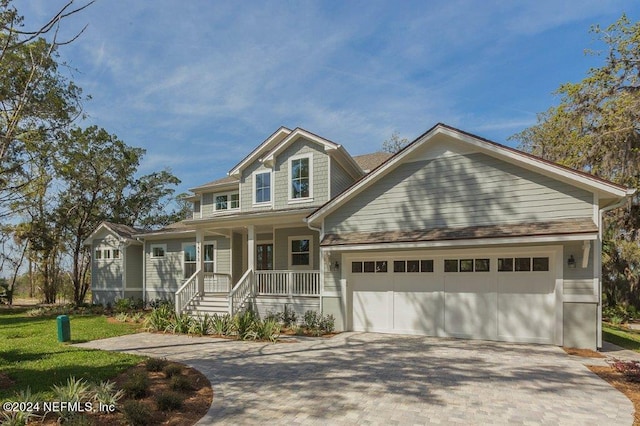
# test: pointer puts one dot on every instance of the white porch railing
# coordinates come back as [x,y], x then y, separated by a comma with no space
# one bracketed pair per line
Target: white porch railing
[241,292]
[217,283]
[287,283]
[187,292]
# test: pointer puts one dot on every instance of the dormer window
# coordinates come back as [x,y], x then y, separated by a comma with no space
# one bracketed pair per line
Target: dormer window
[300,172]
[227,201]
[262,187]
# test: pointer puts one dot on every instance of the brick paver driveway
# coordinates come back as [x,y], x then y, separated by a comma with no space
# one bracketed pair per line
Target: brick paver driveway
[388,379]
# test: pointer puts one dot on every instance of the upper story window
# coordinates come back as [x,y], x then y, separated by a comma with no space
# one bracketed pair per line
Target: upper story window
[227,201]
[262,192]
[300,178]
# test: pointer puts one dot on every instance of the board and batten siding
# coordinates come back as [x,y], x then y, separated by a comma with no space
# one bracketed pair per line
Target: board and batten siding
[340,179]
[133,257]
[106,274]
[458,191]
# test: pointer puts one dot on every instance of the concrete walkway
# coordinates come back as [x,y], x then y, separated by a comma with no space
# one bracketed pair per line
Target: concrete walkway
[366,378]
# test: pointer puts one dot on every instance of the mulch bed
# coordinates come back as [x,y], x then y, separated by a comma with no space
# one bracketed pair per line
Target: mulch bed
[618,381]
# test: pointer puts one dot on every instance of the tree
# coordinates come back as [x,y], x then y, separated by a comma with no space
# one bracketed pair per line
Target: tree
[596,128]
[96,173]
[394,143]
[12,256]
[35,98]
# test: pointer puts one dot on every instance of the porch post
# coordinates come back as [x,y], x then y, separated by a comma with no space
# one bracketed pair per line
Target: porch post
[251,249]
[200,260]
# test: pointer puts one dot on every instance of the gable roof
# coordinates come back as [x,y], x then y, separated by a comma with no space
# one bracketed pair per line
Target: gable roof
[523,159]
[268,144]
[123,231]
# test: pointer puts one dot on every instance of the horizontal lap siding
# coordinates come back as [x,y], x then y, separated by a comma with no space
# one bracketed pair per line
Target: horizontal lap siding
[223,255]
[165,274]
[207,204]
[281,246]
[458,191]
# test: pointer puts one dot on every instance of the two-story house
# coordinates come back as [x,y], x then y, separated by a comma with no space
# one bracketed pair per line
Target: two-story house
[452,236]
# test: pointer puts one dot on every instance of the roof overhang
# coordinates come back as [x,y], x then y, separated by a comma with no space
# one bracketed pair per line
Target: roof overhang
[104,226]
[579,229]
[268,144]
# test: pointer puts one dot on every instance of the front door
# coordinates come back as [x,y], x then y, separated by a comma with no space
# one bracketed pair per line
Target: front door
[264,257]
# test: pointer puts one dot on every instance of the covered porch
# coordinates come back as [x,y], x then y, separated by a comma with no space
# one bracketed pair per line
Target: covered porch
[264,263]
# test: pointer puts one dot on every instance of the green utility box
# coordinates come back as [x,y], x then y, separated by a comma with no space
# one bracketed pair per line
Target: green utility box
[64,328]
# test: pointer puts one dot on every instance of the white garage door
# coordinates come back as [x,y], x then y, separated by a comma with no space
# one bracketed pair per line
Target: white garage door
[500,297]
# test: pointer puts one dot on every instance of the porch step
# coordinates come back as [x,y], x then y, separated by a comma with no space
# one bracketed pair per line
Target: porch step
[209,304]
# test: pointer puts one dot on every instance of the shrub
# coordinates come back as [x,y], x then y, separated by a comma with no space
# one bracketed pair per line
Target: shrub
[311,319]
[106,394]
[169,401]
[154,304]
[180,324]
[136,316]
[74,391]
[267,330]
[245,324]
[171,370]
[137,385]
[288,318]
[122,317]
[201,325]
[222,325]
[155,364]
[136,413]
[327,324]
[180,383]
[160,318]
[123,306]
[630,369]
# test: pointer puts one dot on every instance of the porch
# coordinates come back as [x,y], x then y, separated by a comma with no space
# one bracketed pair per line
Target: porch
[208,292]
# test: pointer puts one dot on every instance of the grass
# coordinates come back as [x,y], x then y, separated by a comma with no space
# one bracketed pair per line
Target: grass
[626,338]
[30,354]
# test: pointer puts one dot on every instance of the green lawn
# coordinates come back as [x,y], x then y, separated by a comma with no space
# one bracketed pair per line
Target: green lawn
[31,355]
[628,339]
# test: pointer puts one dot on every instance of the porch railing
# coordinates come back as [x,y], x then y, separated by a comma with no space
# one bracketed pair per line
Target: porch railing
[287,283]
[241,292]
[187,292]
[217,283]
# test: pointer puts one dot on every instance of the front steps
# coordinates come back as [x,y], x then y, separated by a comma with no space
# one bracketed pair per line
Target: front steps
[208,304]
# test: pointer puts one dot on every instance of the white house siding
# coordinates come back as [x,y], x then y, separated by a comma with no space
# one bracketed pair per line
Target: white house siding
[340,179]
[281,246]
[458,191]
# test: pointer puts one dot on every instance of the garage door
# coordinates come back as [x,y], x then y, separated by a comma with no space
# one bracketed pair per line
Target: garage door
[510,298]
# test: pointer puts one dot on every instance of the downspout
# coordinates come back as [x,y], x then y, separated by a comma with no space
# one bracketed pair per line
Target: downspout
[320,259]
[601,211]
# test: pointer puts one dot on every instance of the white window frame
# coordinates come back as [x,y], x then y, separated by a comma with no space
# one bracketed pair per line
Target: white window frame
[228,195]
[113,254]
[97,254]
[205,243]
[106,254]
[290,253]
[255,189]
[154,246]
[292,200]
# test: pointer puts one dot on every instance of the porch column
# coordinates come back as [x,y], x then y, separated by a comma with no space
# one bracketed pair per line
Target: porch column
[251,249]
[200,260]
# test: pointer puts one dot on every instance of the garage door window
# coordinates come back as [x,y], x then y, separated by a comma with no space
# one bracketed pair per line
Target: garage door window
[413,265]
[523,264]
[466,265]
[369,267]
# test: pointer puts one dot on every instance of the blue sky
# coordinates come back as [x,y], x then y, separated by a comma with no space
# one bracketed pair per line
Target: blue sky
[199,84]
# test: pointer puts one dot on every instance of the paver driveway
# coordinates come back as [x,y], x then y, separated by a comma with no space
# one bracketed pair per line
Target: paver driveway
[370,378]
